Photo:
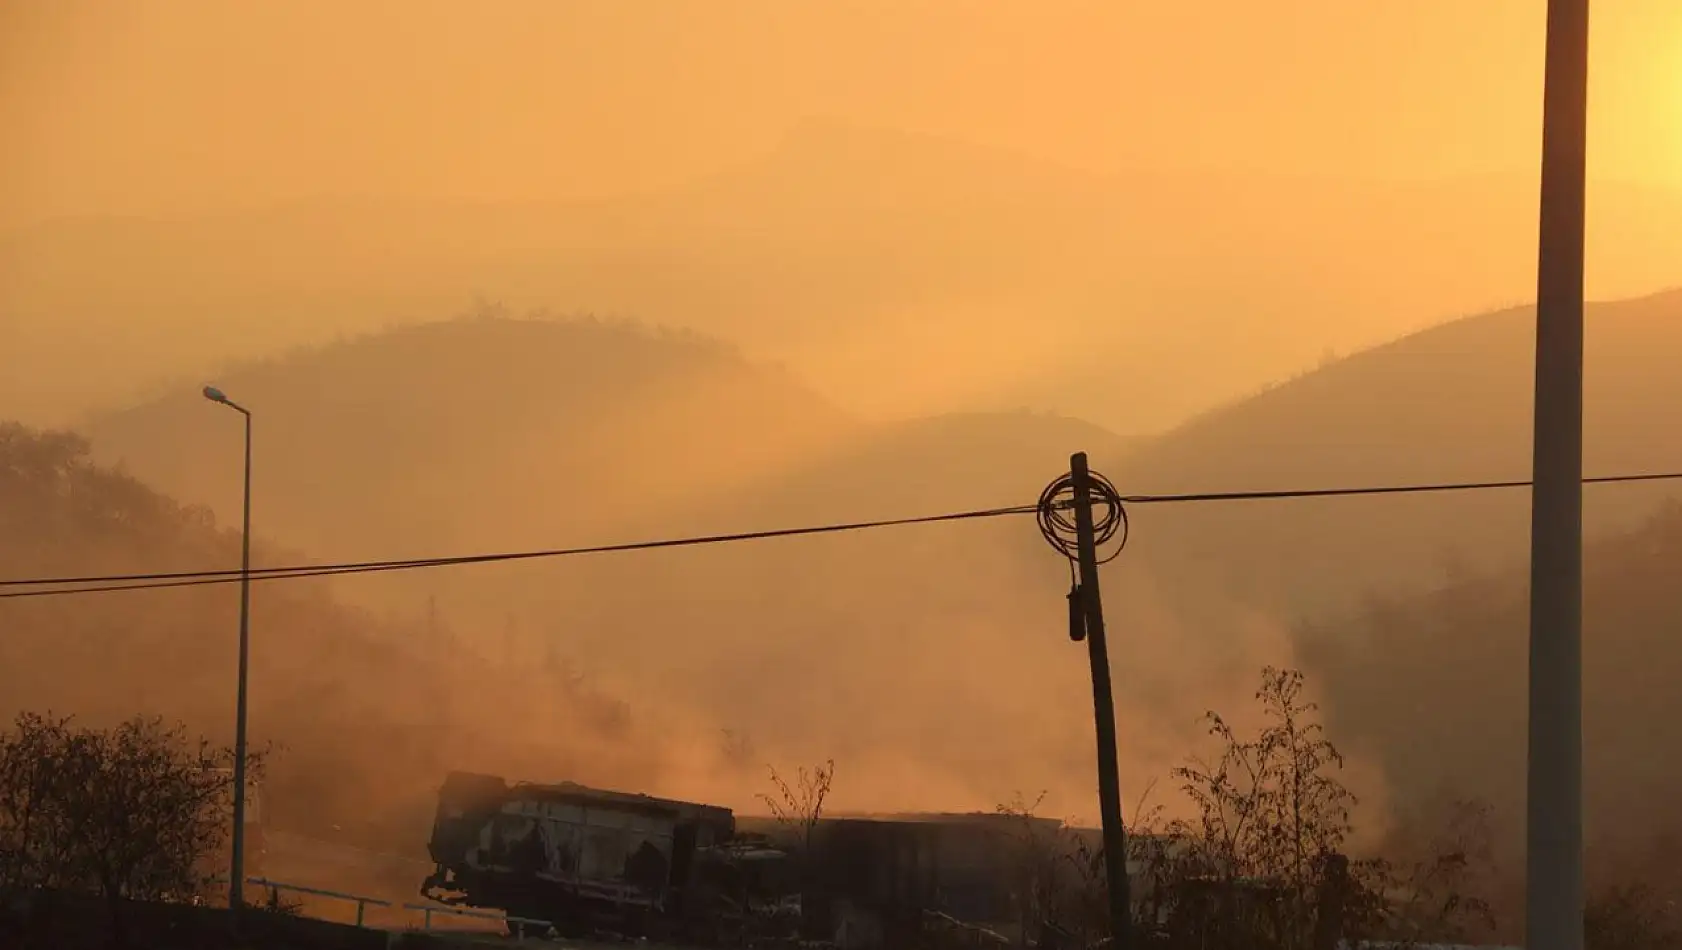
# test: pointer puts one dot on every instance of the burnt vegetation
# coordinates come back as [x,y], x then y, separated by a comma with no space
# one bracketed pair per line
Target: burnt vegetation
[798,806]
[1266,855]
[134,812]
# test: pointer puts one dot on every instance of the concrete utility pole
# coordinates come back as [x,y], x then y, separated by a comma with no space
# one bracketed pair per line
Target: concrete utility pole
[1554,819]
[1103,706]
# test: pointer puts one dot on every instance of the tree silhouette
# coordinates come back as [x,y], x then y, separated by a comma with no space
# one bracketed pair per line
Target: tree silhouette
[135,811]
[799,807]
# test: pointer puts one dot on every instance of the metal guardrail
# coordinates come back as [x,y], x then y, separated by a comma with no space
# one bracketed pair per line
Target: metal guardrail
[362,903]
[427,910]
[520,923]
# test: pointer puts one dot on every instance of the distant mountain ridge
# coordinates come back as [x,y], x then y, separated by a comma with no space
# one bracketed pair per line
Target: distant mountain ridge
[353,436]
[861,257]
[494,433]
[1447,404]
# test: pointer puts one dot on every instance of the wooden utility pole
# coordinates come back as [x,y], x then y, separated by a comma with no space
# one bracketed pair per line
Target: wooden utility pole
[1554,783]
[1103,706]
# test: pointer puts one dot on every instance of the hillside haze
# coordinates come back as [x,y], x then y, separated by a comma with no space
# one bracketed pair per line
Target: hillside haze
[366,713]
[795,642]
[930,659]
[663,402]
[481,431]
[1445,405]
[492,433]
[1436,686]
[898,273]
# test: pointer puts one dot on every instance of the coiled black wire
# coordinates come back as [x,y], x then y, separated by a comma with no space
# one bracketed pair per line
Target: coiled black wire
[1056,517]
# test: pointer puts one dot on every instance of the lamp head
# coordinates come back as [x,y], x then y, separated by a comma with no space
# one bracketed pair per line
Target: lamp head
[215,395]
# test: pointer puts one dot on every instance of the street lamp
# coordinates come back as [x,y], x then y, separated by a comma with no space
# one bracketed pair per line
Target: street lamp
[236,880]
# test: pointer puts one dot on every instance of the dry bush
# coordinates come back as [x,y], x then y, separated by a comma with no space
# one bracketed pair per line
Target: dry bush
[135,811]
[1272,819]
[799,807]
[1261,863]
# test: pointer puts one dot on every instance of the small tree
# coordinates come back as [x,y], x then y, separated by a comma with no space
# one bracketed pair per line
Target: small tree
[1270,812]
[799,807]
[1262,864]
[37,843]
[134,811]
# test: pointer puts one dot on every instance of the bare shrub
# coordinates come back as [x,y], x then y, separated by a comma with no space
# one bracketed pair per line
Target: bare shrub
[1260,862]
[134,811]
[1272,819]
[799,807]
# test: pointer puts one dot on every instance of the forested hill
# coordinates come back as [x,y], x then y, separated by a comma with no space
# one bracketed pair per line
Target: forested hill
[494,433]
[369,713]
[1448,404]
[478,432]
[1436,686]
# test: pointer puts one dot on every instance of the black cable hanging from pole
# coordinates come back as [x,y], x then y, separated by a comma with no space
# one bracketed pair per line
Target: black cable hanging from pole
[1055,514]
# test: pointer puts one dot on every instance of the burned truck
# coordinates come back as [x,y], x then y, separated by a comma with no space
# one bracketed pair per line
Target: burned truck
[590,860]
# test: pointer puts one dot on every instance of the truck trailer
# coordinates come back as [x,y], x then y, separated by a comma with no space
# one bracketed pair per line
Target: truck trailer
[588,860]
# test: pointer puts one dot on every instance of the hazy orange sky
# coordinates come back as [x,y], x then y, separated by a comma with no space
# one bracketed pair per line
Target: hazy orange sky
[128,107]
[893,270]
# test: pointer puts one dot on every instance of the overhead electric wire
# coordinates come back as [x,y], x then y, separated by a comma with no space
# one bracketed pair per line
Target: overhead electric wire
[1378,490]
[110,583]
[195,578]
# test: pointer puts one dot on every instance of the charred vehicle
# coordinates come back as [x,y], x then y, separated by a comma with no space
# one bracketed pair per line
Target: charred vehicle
[588,859]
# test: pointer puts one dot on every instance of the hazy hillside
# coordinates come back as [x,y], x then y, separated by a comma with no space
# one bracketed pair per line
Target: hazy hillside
[487,434]
[1452,403]
[479,432]
[369,713]
[876,648]
[1436,685]
[897,273]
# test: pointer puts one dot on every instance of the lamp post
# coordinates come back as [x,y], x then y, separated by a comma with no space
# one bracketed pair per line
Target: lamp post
[1554,780]
[236,879]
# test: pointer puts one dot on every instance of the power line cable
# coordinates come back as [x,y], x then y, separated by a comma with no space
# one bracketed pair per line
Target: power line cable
[111,583]
[1378,490]
[61,585]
